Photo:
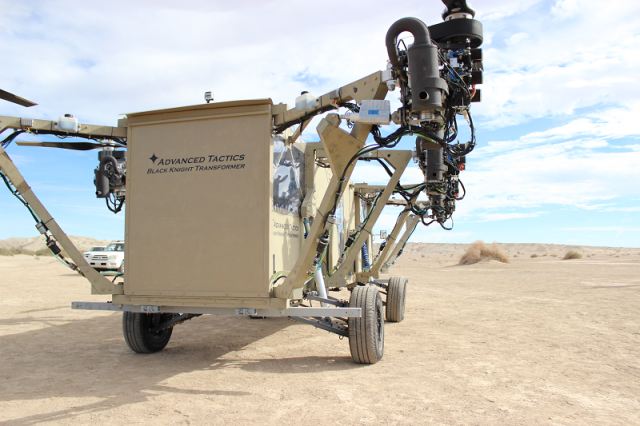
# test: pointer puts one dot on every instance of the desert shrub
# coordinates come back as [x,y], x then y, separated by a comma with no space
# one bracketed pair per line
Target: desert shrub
[572,254]
[6,252]
[14,251]
[479,251]
[534,255]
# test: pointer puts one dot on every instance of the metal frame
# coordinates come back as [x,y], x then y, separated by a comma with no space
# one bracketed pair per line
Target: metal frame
[339,146]
[400,160]
[298,311]
[393,246]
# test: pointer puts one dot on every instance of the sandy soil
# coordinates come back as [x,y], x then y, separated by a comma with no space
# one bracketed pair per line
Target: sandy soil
[538,340]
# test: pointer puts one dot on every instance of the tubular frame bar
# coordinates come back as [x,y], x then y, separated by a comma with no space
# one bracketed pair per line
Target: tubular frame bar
[412,222]
[382,257]
[85,130]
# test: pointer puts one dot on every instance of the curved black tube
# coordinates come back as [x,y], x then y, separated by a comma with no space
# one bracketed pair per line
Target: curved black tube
[415,26]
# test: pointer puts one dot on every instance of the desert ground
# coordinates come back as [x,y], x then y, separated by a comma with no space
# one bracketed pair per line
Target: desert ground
[536,340]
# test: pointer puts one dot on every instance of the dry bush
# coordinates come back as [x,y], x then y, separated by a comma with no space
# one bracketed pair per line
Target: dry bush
[534,255]
[15,251]
[11,251]
[479,251]
[572,254]
[6,252]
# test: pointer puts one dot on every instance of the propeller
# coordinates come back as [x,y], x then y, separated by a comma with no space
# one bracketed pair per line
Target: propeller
[78,146]
[8,96]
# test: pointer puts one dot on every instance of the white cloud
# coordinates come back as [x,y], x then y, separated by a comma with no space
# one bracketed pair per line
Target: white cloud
[575,55]
[496,10]
[564,8]
[494,217]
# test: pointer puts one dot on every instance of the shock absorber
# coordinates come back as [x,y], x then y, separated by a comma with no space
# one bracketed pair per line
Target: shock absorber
[365,257]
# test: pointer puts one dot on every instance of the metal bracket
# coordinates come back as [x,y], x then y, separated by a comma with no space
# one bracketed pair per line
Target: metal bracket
[246,311]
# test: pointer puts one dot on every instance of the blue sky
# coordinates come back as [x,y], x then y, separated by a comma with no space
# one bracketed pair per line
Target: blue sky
[558,155]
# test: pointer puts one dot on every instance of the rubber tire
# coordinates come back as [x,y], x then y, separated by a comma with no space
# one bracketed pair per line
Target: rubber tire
[366,334]
[136,327]
[396,298]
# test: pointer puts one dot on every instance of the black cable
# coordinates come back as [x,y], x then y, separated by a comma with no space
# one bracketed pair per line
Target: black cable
[464,193]
[360,152]
[351,106]
[425,223]
[447,228]
[50,241]
[17,194]
[6,141]
[114,204]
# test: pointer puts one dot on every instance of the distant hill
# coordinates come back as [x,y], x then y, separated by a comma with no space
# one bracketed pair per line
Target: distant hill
[36,245]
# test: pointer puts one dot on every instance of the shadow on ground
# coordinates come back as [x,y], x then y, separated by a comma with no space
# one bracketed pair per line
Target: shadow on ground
[88,358]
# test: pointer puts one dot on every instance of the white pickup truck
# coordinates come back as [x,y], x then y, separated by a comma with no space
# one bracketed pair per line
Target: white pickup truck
[110,257]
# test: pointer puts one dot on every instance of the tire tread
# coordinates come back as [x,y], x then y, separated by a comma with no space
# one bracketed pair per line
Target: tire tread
[363,331]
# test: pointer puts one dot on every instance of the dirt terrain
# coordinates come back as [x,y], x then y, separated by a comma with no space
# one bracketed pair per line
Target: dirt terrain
[536,340]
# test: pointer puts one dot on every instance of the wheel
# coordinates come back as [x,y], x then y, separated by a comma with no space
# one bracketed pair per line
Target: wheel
[366,334]
[137,329]
[396,296]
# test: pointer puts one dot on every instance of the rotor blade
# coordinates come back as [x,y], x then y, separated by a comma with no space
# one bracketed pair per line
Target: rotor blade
[79,146]
[7,96]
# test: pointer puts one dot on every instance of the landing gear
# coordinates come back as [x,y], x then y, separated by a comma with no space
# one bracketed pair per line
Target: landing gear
[143,332]
[396,297]
[366,334]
